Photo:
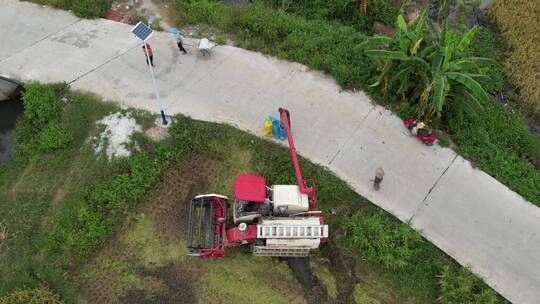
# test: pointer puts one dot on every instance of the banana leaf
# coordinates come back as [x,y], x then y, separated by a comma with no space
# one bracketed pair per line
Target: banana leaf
[474,87]
[440,89]
[387,54]
[467,38]
[374,41]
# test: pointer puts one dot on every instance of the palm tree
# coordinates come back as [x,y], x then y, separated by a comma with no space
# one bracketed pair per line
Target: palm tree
[428,67]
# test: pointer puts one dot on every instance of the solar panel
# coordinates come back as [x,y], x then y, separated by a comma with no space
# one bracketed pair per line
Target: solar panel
[142,31]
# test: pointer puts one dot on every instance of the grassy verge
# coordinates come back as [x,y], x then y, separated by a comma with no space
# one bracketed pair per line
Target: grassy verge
[81,8]
[358,15]
[497,140]
[34,192]
[87,227]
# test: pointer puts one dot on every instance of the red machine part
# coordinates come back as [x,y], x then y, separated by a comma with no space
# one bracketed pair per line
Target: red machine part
[250,188]
[310,191]
[237,237]
[219,221]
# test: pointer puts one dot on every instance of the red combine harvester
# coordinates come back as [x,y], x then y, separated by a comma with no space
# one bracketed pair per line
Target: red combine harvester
[280,220]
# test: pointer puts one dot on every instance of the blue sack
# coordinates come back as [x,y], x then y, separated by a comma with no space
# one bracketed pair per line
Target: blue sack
[282,132]
[276,126]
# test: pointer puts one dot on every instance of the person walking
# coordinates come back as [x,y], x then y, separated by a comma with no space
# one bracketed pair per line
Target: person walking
[179,40]
[379,174]
[147,48]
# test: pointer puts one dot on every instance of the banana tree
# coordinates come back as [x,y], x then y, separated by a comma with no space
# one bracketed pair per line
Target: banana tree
[428,67]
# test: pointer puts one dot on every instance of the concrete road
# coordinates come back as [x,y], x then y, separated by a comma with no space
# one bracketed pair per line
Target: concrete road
[465,212]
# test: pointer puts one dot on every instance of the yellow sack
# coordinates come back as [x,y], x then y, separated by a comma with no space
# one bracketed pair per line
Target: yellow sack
[268,128]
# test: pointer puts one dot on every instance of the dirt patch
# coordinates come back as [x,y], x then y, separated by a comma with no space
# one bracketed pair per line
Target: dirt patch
[314,291]
[173,288]
[59,195]
[132,11]
[342,267]
[167,201]
[157,133]
[142,262]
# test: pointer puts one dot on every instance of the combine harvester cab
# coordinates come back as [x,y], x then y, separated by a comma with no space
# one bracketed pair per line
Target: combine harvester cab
[280,220]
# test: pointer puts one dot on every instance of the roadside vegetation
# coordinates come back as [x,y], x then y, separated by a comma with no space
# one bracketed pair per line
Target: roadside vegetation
[81,8]
[105,230]
[494,137]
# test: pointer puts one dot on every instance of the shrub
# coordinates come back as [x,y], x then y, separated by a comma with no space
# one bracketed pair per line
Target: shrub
[462,287]
[487,43]
[81,8]
[91,8]
[346,12]
[380,240]
[41,295]
[26,143]
[54,137]
[40,104]
[60,89]
[203,11]
[78,232]
[40,128]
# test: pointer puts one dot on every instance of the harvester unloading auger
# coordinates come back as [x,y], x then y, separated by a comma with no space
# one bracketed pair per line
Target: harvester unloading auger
[281,220]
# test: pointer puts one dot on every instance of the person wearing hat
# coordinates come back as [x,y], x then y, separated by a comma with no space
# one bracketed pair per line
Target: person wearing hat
[147,48]
[179,39]
[379,174]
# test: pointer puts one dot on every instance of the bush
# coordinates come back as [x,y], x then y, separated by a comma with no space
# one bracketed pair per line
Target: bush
[487,43]
[40,104]
[41,295]
[346,12]
[203,11]
[81,8]
[26,143]
[54,137]
[381,241]
[91,8]
[78,232]
[40,128]
[462,287]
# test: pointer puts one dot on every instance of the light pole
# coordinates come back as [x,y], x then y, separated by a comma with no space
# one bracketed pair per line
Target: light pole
[143,32]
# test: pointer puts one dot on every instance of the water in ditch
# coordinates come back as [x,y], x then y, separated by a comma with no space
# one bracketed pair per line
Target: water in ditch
[10,110]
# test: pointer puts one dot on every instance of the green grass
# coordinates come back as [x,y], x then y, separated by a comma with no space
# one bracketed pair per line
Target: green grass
[81,8]
[31,193]
[344,12]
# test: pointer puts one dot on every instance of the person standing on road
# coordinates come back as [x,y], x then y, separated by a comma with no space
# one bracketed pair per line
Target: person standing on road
[179,40]
[150,59]
[379,173]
